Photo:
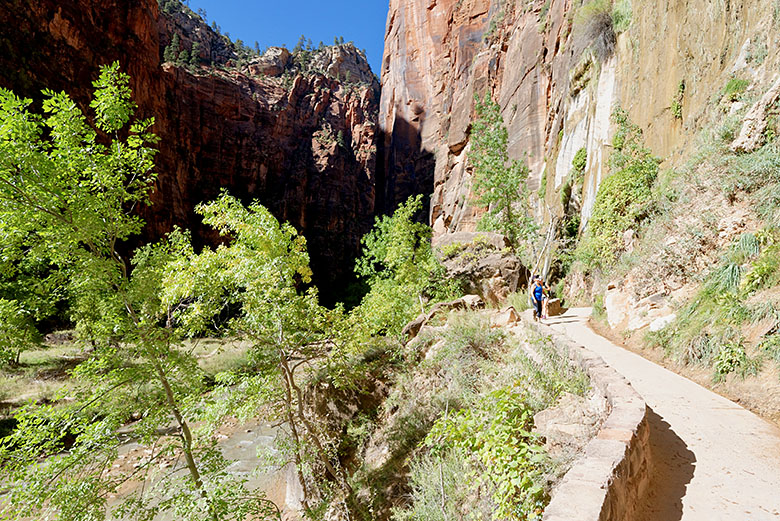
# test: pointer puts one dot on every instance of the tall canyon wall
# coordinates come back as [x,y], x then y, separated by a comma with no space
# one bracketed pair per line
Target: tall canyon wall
[555,95]
[326,154]
[303,144]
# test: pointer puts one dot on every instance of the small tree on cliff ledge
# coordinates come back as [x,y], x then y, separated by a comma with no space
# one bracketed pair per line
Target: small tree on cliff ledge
[499,184]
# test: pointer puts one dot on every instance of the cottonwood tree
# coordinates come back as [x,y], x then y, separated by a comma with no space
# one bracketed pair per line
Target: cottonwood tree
[499,184]
[68,192]
[401,270]
[261,272]
[297,344]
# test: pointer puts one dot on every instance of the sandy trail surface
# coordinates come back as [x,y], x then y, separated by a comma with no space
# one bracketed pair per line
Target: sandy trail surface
[713,460]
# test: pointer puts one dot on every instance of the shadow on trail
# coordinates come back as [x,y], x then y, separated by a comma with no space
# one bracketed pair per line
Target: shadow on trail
[673,466]
[561,320]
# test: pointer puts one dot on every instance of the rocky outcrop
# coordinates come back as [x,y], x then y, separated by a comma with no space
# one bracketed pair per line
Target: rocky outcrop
[272,63]
[300,140]
[482,263]
[466,302]
[213,48]
[345,63]
[752,135]
[306,151]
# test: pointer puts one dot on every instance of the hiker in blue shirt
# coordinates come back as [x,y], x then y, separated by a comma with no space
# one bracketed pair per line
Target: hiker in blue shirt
[537,296]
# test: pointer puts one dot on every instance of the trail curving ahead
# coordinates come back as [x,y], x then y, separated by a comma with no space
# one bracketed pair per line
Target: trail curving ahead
[713,460]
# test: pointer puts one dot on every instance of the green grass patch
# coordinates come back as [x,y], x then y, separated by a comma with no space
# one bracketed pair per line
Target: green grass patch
[708,329]
[734,89]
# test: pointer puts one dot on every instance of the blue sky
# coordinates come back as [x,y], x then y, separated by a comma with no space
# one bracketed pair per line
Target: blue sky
[282,22]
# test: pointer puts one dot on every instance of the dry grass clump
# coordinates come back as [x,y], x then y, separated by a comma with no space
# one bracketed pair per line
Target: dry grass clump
[594,29]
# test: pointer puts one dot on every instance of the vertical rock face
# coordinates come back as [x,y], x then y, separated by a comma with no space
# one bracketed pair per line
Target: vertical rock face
[299,139]
[429,47]
[555,95]
[439,54]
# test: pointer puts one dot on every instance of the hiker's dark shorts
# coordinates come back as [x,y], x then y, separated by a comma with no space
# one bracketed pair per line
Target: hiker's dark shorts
[538,307]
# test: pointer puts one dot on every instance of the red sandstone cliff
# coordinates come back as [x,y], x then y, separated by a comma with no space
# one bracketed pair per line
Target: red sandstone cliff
[303,143]
[555,97]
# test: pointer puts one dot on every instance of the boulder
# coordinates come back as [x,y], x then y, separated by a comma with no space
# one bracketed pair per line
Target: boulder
[60,337]
[661,322]
[616,304]
[483,263]
[505,318]
[272,63]
[495,240]
[554,307]
[473,301]
[570,424]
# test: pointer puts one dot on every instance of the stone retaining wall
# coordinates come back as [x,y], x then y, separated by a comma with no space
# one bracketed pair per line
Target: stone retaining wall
[607,481]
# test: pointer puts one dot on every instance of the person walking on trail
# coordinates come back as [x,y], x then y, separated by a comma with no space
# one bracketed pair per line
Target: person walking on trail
[537,296]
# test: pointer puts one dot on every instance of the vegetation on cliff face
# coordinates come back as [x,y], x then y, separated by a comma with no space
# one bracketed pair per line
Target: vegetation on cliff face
[597,24]
[730,322]
[707,231]
[624,198]
[208,46]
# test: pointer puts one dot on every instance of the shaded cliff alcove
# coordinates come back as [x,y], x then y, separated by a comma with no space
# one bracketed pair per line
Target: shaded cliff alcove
[404,168]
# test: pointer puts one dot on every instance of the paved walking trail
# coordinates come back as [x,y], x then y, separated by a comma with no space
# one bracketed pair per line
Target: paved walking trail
[713,460]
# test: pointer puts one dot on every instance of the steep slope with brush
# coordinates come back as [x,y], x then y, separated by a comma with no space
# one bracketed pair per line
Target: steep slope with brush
[557,79]
[675,103]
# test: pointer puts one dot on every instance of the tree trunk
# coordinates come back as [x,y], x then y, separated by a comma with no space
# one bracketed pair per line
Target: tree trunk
[296,438]
[186,436]
[339,474]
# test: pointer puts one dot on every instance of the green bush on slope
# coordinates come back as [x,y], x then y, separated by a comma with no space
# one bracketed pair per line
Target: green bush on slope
[624,198]
[478,458]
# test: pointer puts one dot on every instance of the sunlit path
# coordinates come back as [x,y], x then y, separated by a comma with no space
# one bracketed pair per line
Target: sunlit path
[714,459]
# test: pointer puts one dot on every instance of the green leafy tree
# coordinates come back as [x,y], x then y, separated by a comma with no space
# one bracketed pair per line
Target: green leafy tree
[499,184]
[71,190]
[260,273]
[30,288]
[401,270]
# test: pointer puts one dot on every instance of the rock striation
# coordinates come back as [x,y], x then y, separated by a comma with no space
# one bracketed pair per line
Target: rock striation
[299,137]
